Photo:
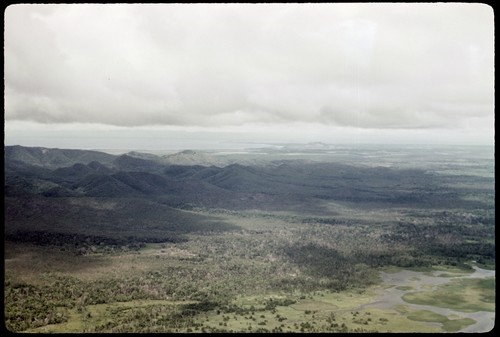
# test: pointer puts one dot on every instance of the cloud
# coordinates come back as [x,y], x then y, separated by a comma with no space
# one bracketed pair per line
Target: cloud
[383,66]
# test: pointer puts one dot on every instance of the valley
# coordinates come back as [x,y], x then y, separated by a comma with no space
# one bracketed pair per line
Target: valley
[309,238]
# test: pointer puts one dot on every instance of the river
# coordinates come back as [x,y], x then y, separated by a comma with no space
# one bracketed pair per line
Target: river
[419,281]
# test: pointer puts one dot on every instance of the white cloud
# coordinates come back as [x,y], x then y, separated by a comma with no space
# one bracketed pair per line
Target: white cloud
[372,66]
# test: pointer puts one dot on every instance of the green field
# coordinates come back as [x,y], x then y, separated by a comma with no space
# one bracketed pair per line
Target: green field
[449,325]
[467,295]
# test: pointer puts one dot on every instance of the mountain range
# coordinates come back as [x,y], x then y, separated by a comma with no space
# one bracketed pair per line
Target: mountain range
[85,173]
[58,189]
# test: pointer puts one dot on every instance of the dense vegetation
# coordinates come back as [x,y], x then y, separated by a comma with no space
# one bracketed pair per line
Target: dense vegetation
[103,243]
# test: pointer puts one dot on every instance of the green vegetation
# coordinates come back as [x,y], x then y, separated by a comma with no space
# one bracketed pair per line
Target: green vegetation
[404,288]
[449,325]
[427,316]
[252,278]
[467,295]
[453,325]
[132,245]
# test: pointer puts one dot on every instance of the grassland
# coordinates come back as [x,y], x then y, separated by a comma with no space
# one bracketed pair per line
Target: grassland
[274,274]
[467,295]
[448,325]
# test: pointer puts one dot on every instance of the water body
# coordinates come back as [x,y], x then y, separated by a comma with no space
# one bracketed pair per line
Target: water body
[419,281]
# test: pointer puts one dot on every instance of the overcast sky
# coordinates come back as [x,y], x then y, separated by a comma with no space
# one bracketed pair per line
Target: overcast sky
[142,76]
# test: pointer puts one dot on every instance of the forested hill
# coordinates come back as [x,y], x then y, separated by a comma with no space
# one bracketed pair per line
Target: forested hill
[287,184]
[53,158]
[89,199]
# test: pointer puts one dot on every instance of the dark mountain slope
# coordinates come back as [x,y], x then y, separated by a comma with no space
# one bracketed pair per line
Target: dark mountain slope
[72,173]
[54,158]
[99,168]
[128,163]
[186,171]
[21,185]
[100,185]
[117,218]
[283,186]
[16,167]
[240,178]
[145,182]
[134,200]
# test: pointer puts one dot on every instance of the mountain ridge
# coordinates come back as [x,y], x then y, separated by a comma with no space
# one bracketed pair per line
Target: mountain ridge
[283,184]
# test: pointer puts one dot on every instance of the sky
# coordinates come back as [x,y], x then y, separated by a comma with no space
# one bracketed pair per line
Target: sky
[180,76]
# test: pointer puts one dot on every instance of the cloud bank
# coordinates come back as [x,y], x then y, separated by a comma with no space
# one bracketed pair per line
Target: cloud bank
[371,66]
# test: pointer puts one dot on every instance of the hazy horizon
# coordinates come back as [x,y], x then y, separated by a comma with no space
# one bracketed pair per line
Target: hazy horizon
[207,76]
[254,147]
